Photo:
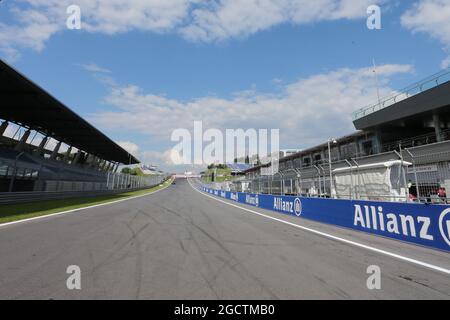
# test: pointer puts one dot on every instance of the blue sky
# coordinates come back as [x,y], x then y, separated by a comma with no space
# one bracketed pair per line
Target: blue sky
[297,65]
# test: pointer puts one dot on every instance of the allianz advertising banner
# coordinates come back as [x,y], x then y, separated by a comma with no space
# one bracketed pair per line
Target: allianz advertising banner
[427,225]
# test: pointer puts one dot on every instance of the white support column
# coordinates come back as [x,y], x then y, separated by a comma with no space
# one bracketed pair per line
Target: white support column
[67,155]
[19,146]
[77,157]
[56,150]
[437,127]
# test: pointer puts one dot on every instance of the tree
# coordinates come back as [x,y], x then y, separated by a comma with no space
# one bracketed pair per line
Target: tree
[126,171]
[247,160]
[131,171]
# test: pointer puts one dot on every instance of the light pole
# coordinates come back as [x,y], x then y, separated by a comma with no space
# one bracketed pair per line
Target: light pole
[378,83]
[329,164]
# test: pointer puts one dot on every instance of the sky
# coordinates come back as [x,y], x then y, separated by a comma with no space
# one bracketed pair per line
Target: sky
[139,69]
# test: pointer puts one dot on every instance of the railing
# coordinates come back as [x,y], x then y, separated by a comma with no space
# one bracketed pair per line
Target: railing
[421,140]
[419,174]
[65,182]
[410,91]
[24,197]
[112,189]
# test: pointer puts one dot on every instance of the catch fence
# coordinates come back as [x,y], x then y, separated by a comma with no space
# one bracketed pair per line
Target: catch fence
[420,174]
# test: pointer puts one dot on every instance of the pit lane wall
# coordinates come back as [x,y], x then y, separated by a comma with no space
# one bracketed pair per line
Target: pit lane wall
[422,224]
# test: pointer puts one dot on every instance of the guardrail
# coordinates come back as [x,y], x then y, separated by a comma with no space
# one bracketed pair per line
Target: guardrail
[26,197]
[414,89]
[422,224]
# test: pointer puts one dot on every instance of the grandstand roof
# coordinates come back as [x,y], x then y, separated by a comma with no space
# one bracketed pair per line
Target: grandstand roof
[25,103]
[429,96]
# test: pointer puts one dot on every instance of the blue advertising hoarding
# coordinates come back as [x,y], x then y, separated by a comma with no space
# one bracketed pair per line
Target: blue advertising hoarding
[423,224]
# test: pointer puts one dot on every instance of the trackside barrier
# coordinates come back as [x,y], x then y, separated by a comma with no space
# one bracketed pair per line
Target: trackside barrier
[24,197]
[422,224]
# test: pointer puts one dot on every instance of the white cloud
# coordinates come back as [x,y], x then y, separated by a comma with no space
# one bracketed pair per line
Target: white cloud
[36,21]
[431,17]
[445,63]
[277,81]
[158,158]
[92,67]
[34,29]
[162,159]
[308,111]
[130,147]
[236,18]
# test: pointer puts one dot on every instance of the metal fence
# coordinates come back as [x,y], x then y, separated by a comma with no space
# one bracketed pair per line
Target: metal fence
[25,177]
[117,183]
[412,90]
[111,181]
[429,174]
[403,175]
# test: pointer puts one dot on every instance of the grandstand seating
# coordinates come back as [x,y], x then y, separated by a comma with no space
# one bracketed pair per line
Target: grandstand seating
[30,169]
[89,156]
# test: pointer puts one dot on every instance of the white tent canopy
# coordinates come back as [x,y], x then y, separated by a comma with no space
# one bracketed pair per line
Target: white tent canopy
[383,181]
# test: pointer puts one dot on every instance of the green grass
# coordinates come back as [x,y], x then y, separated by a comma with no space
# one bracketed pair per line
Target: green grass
[14,212]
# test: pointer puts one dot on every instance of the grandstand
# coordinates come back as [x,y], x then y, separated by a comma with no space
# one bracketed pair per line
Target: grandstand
[412,126]
[45,146]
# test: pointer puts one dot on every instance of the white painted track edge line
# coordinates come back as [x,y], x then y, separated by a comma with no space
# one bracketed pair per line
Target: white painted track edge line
[6,224]
[336,238]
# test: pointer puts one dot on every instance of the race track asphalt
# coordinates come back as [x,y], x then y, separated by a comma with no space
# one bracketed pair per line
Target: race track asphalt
[181,244]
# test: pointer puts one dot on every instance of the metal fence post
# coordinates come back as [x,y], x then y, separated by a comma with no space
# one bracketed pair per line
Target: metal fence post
[270,180]
[320,182]
[402,171]
[413,160]
[351,178]
[324,177]
[299,180]
[358,177]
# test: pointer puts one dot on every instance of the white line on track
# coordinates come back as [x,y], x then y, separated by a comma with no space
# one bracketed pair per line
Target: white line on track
[329,236]
[80,209]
